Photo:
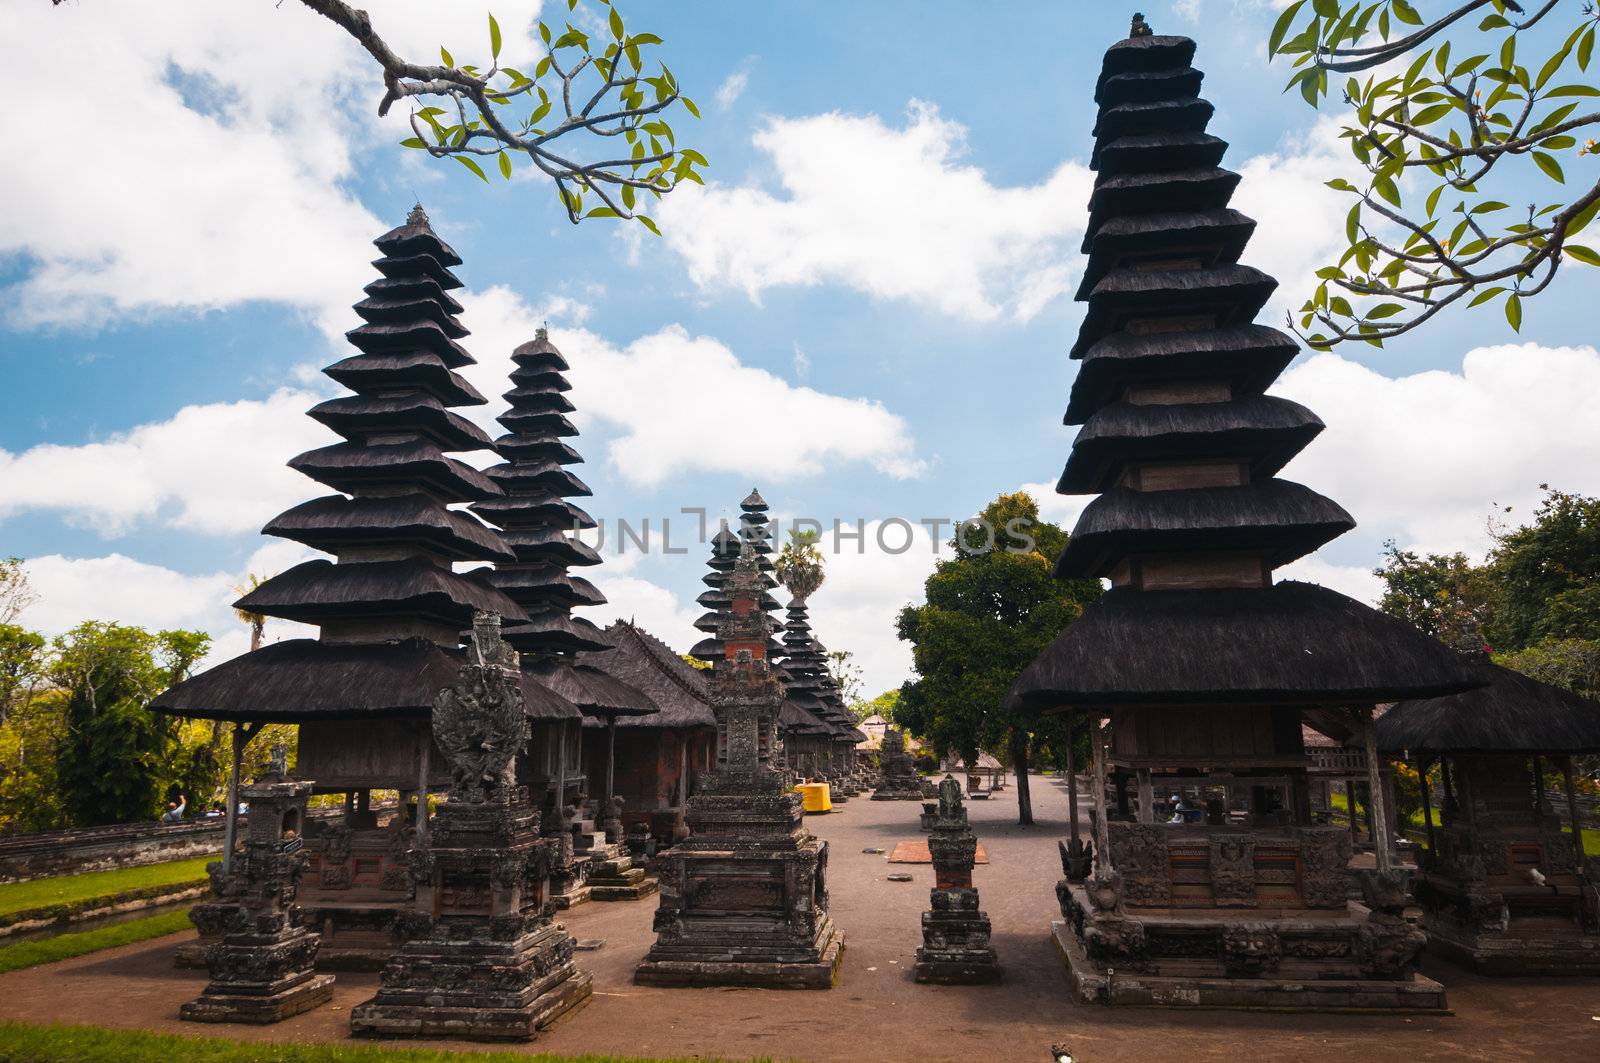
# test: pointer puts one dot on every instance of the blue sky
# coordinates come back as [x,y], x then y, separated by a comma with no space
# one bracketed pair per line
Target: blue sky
[866,314]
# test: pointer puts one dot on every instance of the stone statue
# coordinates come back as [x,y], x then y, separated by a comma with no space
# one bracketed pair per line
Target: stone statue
[480,723]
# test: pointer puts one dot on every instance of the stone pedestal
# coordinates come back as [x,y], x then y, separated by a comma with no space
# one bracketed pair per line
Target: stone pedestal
[483,960]
[899,781]
[261,970]
[955,932]
[744,900]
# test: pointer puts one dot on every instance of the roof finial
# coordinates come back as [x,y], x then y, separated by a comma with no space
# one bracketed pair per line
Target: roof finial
[542,332]
[418,216]
[1140,27]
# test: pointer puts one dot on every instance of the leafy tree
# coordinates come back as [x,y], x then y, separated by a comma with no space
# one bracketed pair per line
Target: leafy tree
[257,622]
[584,94]
[21,666]
[15,593]
[1445,595]
[1446,117]
[115,760]
[885,705]
[1548,574]
[846,674]
[30,737]
[800,564]
[1572,664]
[988,613]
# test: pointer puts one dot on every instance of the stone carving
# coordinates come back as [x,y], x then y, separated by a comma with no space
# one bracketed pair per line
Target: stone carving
[899,774]
[955,932]
[1324,864]
[1233,870]
[1250,950]
[1139,851]
[482,959]
[1113,941]
[481,723]
[261,970]
[1388,948]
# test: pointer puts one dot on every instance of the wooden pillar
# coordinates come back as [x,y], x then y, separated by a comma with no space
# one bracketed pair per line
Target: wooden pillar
[1147,797]
[611,763]
[683,769]
[1376,811]
[1102,831]
[1427,804]
[1445,780]
[1120,781]
[1072,792]
[230,822]
[1390,814]
[1572,809]
[1538,785]
[1350,808]
[423,754]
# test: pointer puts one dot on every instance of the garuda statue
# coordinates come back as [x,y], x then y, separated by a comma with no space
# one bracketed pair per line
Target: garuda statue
[480,722]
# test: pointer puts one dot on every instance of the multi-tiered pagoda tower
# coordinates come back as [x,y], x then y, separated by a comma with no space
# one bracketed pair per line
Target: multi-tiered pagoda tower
[390,607]
[540,526]
[724,555]
[1205,665]
[809,682]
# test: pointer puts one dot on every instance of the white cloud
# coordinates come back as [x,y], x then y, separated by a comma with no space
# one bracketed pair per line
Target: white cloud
[669,395]
[126,591]
[1423,457]
[1355,581]
[216,468]
[1062,510]
[891,211]
[649,605]
[733,87]
[212,177]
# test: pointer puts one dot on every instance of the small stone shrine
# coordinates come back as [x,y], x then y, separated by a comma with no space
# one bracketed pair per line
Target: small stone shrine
[1197,669]
[955,934]
[744,901]
[261,970]
[484,961]
[898,781]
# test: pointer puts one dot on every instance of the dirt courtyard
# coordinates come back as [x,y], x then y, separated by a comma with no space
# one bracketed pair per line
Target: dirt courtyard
[876,1012]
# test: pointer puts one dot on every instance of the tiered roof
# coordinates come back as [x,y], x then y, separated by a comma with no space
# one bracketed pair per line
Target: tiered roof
[724,555]
[810,683]
[539,526]
[1514,714]
[1183,446]
[646,663]
[390,607]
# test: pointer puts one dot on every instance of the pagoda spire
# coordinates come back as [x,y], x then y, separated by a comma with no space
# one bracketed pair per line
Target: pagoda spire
[389,523]
[724,555]
[533,513]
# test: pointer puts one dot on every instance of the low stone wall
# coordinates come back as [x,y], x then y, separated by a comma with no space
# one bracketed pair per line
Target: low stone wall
[63,917]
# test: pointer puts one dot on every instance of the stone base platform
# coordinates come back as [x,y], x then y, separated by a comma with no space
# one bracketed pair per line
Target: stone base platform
[259,1010]
[472,1023]
[727,970]
[572,898]
[954,969]
[1420,996]
[1517,953]
[881,794]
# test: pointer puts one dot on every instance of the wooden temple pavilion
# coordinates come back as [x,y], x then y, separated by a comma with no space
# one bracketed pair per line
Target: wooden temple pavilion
[1197,666]
[573,779]
[659,757]
[389,607]
[1505,890]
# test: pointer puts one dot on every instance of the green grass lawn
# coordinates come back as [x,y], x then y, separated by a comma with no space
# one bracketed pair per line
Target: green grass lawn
[65,946]
[74,889]
[21,1043]
[1415,828]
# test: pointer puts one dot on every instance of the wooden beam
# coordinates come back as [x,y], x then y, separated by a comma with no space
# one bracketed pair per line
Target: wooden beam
[1072,791]
[1102,831]
[1375,802]
[1572,809]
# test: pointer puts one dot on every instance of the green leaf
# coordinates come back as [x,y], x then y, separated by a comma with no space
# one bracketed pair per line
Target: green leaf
[616,24]
[648,223]
[1352,224]
[1551,65]
[1433,199]
[1429,115]
[543,67]
[1514,312]
[413,142]
[1583,218]
[1558,143]
[1550,166]
[494,37]
[1386,188]
[1326,8]
[473,166]
[505,165]
[1484,296]
[1583,254]
[1383,310]
[689,105]
[1585,48]
[1488,206]
[1341,185]
[1493,22]
[1406,13]
[1572,90]
[446,57]
[601,212]
[1280,27]
[544,33]
[644,38]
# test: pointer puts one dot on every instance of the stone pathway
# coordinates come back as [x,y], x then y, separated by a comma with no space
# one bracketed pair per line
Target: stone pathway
[877,1012]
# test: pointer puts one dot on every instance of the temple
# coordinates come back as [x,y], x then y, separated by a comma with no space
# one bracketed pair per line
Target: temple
[897,775]
[572,768]
[1506,887]
[744,899]
[1196,669]
[389,608]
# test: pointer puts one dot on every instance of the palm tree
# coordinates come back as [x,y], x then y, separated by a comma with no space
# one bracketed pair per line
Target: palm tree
[257,621]
[799,564]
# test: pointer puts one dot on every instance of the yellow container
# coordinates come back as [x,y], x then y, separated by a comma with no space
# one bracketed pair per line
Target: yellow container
[814,796]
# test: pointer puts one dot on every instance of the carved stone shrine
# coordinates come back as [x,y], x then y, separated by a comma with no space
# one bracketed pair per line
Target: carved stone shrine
[744,901]
[483,960]
[955,934]
[898,781]
[261,970]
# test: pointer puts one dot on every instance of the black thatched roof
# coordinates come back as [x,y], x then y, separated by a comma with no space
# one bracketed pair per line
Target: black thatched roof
[1513,714]
[649,665]
[1291,643]
[1284,520]
[1211,237]
[589,688]
[1227,295]
[303,679]
[316,591]
[724,555]
[362,415]
[352,467]
[1263,430]
[423,370]
[334,523]
[1247,357]
[416,236]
